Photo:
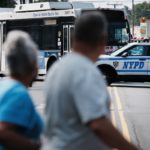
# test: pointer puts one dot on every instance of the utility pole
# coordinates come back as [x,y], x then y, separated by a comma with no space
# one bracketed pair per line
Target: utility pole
[115,5]
[133,11]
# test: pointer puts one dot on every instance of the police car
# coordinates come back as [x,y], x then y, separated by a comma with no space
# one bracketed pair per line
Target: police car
[129,63]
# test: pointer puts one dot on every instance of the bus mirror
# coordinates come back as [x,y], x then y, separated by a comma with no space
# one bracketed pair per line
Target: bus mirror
[128,29]
[125,54]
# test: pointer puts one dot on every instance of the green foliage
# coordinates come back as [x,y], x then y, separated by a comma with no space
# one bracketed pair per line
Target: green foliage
[141,10]
[7,3]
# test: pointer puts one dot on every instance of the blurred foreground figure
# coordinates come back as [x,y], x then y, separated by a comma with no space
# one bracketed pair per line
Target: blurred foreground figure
[20,124]
[77,108]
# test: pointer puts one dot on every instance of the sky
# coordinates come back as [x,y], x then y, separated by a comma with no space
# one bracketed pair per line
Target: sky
[120,2]
[108,3]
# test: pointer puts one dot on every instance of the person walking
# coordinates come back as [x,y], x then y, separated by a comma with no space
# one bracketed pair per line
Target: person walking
[77,101]
[20,124]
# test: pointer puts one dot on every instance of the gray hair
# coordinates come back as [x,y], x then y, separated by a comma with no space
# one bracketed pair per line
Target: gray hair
[21,53]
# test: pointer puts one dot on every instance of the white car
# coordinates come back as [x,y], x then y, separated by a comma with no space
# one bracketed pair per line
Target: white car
[129,63]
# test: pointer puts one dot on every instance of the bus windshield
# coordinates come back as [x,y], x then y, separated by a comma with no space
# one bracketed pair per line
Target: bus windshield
[118,27]
[117,33]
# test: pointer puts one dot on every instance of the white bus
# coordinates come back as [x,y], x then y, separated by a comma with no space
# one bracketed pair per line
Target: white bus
[50,26]
[118,28]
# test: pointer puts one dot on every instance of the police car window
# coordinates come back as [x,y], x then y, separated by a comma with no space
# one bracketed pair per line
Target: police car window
[136,51]
[139,50]
[148,51]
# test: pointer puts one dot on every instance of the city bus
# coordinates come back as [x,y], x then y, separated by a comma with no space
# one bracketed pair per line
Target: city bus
[118,28]
[50,26]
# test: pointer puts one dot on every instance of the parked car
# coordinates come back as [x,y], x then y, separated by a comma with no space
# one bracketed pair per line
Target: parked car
[129,63]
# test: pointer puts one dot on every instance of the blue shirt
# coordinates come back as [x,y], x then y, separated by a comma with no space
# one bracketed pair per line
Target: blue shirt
[16,107]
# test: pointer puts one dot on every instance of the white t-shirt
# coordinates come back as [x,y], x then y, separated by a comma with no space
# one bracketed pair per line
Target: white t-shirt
[75,95]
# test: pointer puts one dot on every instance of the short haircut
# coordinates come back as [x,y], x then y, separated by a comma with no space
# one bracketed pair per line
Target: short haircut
[91,28]
[21,53]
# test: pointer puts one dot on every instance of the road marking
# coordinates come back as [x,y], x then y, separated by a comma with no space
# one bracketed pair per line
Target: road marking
[113,118]
[121,115]
[112,108]
[117,98]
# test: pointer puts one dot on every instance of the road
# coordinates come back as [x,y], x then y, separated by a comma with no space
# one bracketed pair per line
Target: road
[37,93]
[130,113]
[130,109]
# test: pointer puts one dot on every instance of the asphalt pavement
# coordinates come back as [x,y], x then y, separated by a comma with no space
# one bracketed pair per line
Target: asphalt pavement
[37,93]
[130,109]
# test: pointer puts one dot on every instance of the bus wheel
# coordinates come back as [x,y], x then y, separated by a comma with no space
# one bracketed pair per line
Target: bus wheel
[51,62]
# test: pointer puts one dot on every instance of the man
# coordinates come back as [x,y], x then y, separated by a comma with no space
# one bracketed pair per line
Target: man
[77,108]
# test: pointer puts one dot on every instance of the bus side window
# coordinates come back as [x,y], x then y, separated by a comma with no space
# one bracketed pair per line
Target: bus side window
[49,37]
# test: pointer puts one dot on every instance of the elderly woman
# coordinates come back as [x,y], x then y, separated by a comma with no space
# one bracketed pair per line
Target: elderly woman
[19,122]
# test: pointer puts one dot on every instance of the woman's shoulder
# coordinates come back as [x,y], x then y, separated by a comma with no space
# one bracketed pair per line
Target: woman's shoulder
[14,92]
[16,105]
[8,86]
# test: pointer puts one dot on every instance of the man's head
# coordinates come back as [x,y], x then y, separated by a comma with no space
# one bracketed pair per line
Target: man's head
[90,33]
[21,55]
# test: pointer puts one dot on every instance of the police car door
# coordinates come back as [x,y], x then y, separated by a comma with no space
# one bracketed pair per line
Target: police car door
[148,57]
[134,61]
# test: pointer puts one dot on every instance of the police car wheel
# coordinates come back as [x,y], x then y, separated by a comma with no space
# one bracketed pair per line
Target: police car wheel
[108,79]
[109,75]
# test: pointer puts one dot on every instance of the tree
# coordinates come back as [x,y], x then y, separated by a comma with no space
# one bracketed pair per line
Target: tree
[7,3]
[140,11]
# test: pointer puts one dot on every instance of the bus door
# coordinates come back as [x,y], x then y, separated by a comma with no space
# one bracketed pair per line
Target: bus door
[67,33]
[2,56]
[71,29]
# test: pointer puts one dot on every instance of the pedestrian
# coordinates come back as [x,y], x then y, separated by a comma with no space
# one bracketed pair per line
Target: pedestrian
[20,124]
[77,101]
